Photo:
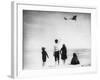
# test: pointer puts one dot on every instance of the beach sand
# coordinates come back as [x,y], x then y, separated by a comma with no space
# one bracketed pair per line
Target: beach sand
[33,59]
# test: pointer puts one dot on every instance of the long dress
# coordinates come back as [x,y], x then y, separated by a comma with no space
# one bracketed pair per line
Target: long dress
[63,53]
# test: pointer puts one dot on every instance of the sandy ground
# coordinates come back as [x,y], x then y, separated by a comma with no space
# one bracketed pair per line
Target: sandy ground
[34,61]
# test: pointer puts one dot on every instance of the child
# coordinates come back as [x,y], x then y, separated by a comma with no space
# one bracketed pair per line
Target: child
[44,55]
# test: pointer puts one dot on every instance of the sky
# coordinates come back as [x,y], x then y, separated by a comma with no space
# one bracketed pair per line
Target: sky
[41,28]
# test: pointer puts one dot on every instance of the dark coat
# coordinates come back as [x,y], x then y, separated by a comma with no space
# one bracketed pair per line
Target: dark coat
[44,56]
[75,60]
[63,52]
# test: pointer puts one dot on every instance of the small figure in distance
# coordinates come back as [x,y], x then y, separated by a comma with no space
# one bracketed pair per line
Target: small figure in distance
[63,53]
[44,56]
[75,60]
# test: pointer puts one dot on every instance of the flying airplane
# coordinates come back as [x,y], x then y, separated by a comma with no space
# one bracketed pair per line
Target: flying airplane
[73,18]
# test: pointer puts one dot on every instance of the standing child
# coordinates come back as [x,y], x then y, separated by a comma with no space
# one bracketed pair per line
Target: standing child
[44,55]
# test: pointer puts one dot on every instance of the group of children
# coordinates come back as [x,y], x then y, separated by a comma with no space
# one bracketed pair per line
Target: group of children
[57,53]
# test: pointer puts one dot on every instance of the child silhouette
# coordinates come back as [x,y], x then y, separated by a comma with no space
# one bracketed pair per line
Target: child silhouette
[44,56]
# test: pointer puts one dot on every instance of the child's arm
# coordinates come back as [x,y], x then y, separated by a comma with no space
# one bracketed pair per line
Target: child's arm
[46,54]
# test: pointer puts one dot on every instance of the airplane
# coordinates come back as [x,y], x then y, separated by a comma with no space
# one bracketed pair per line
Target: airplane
[73,18]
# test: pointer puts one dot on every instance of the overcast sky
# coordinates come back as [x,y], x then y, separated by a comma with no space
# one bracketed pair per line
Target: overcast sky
[42,27]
